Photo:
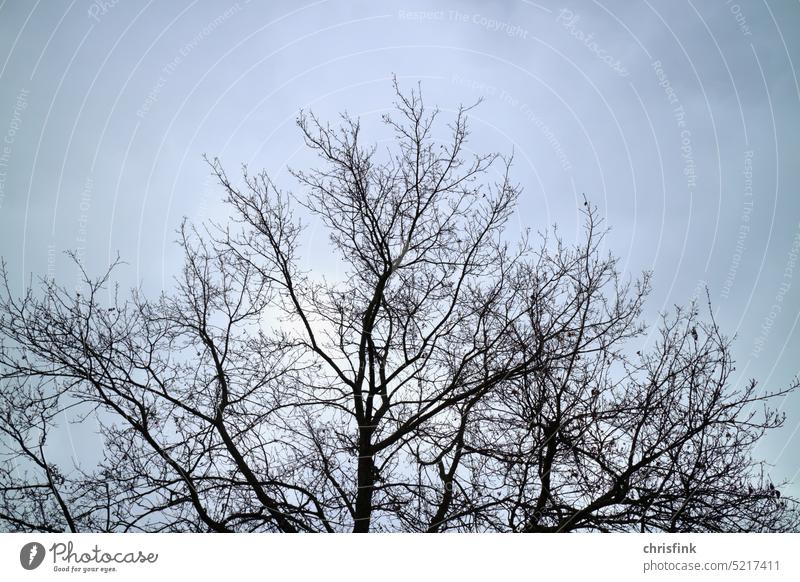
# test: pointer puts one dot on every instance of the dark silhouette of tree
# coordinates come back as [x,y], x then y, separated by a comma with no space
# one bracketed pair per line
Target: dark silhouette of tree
[451,380]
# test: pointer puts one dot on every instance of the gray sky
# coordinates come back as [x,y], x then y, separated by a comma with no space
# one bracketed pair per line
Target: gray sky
[679,119]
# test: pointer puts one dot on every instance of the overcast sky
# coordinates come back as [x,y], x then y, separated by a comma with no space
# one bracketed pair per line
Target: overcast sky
[680,120]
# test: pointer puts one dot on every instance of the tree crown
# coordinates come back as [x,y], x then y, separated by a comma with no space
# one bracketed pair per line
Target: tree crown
[452,380]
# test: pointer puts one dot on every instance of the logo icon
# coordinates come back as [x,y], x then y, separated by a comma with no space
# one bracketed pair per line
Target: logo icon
[31,555]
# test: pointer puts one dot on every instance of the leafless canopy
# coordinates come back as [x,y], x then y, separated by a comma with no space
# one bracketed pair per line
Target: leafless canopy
[449,380]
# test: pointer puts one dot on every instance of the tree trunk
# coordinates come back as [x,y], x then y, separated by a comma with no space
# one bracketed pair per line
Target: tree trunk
[366,482]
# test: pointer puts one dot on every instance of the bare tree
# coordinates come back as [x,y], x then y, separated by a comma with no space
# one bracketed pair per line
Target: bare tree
[450,380]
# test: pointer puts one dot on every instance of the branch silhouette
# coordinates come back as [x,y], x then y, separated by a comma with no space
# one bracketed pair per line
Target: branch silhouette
[452,380]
